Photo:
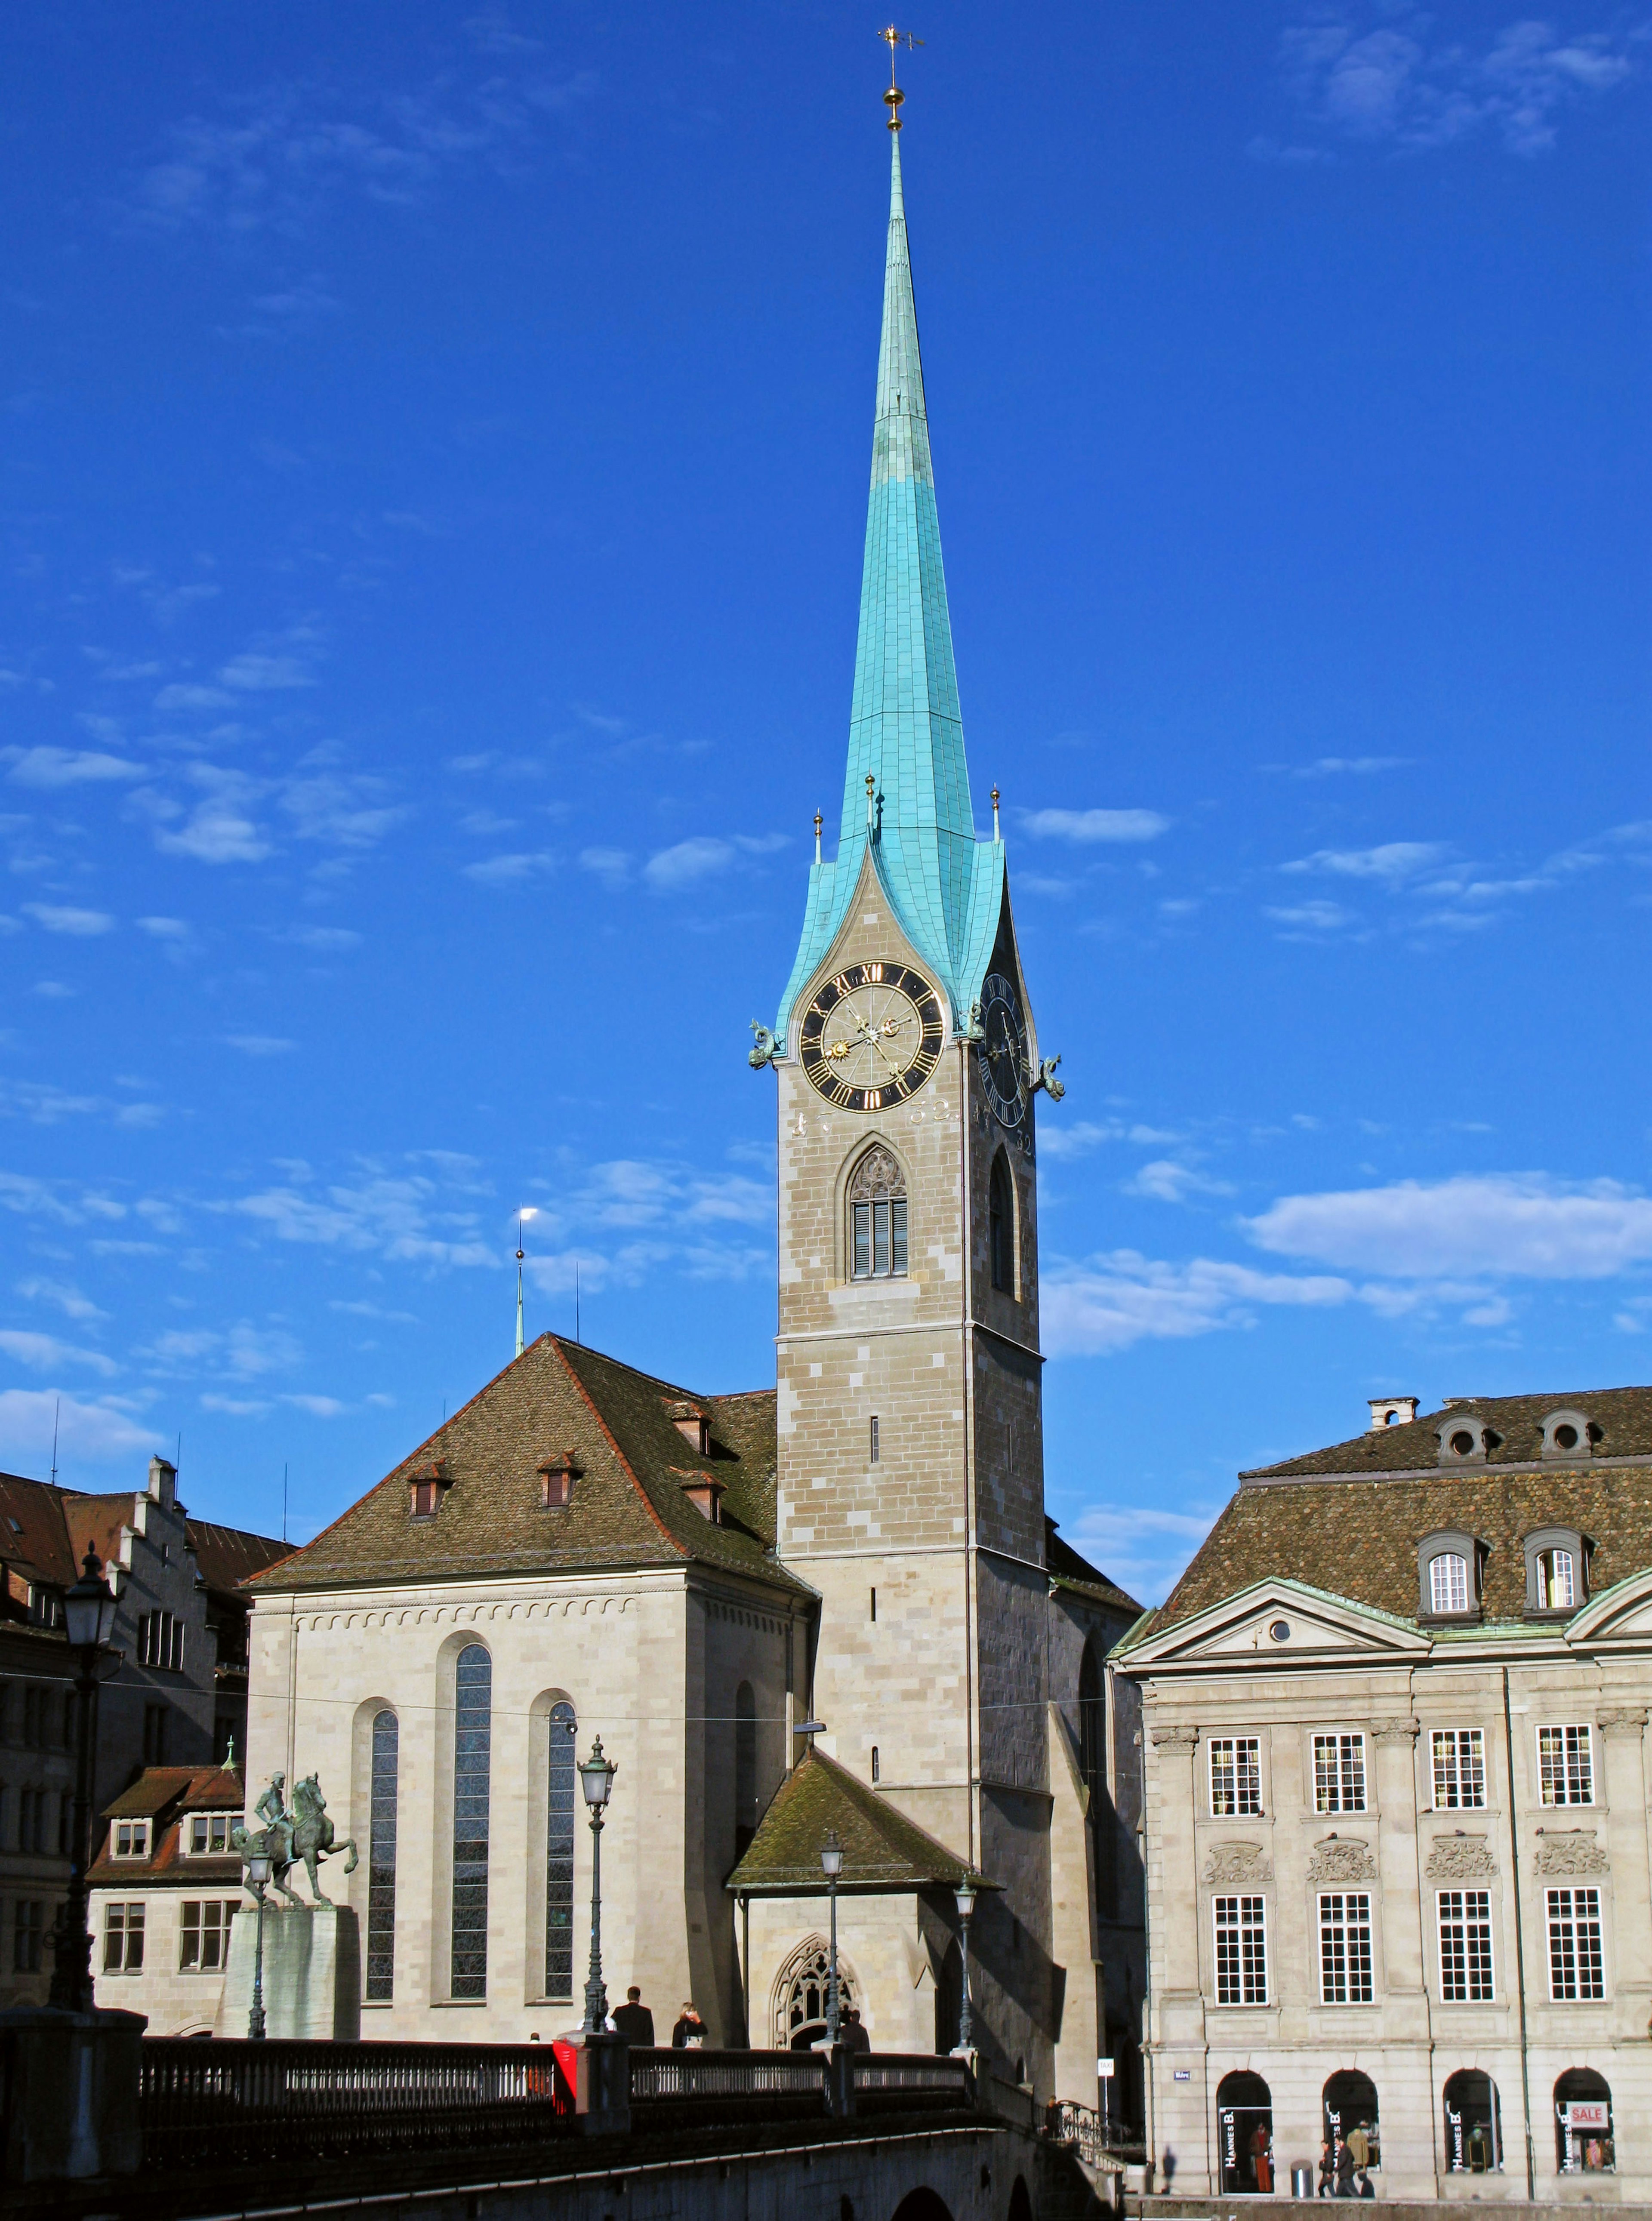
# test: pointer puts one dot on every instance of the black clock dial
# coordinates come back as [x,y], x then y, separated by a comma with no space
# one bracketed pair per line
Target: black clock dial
[1003,1052]
[872,1036]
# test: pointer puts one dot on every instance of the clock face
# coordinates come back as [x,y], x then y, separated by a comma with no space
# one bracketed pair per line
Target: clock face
[1002,1051]
[872,1036]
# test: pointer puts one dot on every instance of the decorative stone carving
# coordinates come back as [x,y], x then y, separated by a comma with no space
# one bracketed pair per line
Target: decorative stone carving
[1575,1852]
[1176,1739]
[1460,1858]
[877,1177]
[1396,1730]
[1341,1860]
[1622,1720]
[1237,1865]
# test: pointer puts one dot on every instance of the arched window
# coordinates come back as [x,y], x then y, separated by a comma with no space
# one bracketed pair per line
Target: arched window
[800,1995]
[1092,1765]
[876,1228]
[1447,1582]
[558,1856]
[1244,2121]
[1350,2104]
[381,1857]
[1473,2123]
[1001,1227]
[472,1756]
[1583,2131]
[744,1769]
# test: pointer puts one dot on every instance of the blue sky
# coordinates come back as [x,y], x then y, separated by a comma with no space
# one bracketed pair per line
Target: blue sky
[435,459]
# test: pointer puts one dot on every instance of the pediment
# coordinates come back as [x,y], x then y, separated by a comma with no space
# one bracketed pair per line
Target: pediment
[1621,1613]
[1241,1629]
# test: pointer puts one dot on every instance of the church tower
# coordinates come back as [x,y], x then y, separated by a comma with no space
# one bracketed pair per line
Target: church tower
[911,1452]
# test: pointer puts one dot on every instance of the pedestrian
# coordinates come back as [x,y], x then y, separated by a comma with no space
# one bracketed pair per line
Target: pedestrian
[854,2035]
[1327,2168]
[633,2021]
[1261,2157]
[689,2035]
[1359,2142]
[1344,2170]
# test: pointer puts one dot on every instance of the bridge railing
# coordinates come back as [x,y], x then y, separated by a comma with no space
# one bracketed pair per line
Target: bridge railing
[893,2082]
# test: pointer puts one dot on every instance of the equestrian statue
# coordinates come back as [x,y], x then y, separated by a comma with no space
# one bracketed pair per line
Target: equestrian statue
[304,1835]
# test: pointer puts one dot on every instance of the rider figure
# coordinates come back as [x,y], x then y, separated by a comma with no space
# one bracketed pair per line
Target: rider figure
[270,1808]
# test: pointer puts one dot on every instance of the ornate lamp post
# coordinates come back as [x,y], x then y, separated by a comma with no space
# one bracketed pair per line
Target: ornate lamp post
[831,1865]
[89,1608]
[964,1896]
[258,1875]
[597,1780]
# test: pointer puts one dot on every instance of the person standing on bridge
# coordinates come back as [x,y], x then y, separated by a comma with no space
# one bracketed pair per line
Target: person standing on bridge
[633,2021]
[689,2035]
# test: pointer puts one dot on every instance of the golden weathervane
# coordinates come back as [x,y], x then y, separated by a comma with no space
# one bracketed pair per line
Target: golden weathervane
[893,97]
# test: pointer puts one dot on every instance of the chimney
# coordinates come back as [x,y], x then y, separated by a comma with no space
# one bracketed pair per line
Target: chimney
[1390,1411]
[163,1479]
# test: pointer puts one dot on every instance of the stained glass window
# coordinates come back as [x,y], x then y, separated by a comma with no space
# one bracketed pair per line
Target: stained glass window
[559,1857]
[472,1752]
[381,1858]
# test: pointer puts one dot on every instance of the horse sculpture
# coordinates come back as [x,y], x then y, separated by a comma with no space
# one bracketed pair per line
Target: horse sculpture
[302,1836]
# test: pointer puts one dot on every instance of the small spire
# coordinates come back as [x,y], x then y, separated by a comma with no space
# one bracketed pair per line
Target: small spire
[230,1759]
[894,97]
[996,836]
[871,789]
[521,1254]
[819,822]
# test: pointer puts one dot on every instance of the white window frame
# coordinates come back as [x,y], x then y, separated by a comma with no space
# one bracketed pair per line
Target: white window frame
[1449,1764]
[211,1822]
[1577,1943]
[1236,1748]
[1458,1565]
[125,1928]
[1469,1911]
[1339,1773]
[1347,1975]
[1241,1926]
[138,1845]
[223,1911]
[1566,1768]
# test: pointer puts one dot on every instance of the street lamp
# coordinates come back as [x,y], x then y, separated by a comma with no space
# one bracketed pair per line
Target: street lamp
[258,1875]
[831,1865]
[597,1780]
[89,1608]
[964,1896]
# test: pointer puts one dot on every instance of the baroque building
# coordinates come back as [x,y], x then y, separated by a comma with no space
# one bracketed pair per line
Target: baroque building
[1396,1810]
[832,1604]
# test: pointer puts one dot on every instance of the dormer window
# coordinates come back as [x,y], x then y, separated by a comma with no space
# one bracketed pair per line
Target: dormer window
[424,1490]
[1449,1568]
[692,1425]
[129,1839]
[1465,1439]
[207,1834]
[1556,1570]
[706,1495]
[556,1478]
[1569,1435]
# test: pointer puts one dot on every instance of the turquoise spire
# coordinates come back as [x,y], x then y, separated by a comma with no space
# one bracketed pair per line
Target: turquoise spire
[905,730]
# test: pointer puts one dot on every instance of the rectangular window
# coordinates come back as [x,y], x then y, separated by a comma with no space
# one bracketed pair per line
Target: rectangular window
[1565,1769]
[203,1934]
[122,1939]
[131,1839]
[1345,1948]
[1576,1968]
[871,1451]
[209,1834]
[1464,1946]
[1339,1772]
[1241,1951]
[28,1929]
[160,1641]
[1459,1769]
[381,1857]
[1235,1777]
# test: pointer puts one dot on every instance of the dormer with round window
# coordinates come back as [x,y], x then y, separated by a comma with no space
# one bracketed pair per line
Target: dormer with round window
[1465,1438]
[1557,1564]
[1448,1565]
[1569,1435]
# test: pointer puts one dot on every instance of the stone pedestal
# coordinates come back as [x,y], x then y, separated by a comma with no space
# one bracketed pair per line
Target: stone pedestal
[597,2070]
[312,1973]
[71,2086]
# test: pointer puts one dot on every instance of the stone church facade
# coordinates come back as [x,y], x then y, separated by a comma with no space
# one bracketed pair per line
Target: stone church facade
[864,1548]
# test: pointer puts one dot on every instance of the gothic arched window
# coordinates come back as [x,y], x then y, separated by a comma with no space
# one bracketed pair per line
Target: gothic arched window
[472,1758]
[1093,1764]
[799,1998]
[558,1856]
[1001,1227]
[878,1217]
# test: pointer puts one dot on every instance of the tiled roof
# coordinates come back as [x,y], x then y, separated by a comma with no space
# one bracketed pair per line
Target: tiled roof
[1624,1416]
[33,1535]
[883,1850]
[165,1795]
[1067,1570]
[45,1530]
[627,1507]
[228,1555]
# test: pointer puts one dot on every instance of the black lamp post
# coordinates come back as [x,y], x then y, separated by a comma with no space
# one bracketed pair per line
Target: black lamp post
[964,1895]
[89,1609]
[258,1875]
[831,1865]
[597,1780]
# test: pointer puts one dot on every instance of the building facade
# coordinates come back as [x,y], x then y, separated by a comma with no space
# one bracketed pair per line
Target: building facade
[178,1694]
[864,1546]
[165,1889]
[1397,1811]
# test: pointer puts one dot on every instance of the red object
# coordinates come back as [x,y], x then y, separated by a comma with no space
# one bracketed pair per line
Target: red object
[567,2057]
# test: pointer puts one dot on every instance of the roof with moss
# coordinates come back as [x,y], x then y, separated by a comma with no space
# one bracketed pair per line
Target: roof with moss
[883,1852]
[630,1504]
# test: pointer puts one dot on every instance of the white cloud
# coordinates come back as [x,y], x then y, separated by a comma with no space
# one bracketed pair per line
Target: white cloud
[44,1353]
[220,829]
[1165,1181]
[1087,826]
[1077,1140]
[1143,1548]
[1336,766]
[686,864]
[260,1044]
[51,767]
[246,1352]
[62,1297]
[263,674]
[401,1219]
[611,865]
[1525,1224]
[1391,864]
[96,1432]
[324,939]
[164,929]
[181,695]
[62,917]
[349,812]
[510,870]
[1107,1303]
[319,1407]
[1303,920]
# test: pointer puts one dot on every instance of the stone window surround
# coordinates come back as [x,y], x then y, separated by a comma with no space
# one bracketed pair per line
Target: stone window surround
[1556,1538]
[1472,1551]
[876,1137]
